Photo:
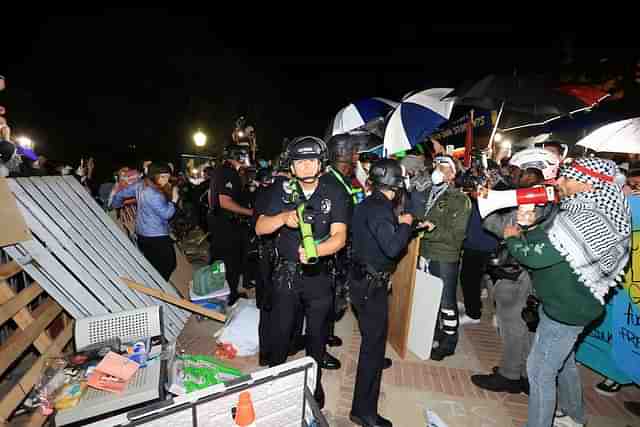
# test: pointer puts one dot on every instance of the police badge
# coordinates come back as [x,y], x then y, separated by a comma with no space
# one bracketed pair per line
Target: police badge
[325,206]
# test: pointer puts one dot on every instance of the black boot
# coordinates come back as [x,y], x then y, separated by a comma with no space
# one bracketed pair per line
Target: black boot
[263,360]
[497,383]
[334,341]
[234,297]
[330,362]
[370,420]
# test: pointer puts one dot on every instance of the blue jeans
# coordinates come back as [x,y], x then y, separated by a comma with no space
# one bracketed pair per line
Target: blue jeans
[447,328]
[553,356]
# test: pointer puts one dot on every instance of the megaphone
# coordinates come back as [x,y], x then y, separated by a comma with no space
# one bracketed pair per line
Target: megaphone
[510,198]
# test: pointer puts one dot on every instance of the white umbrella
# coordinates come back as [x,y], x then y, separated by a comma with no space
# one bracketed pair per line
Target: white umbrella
[616,137]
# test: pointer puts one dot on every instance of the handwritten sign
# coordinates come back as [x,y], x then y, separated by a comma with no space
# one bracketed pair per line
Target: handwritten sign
[612,348]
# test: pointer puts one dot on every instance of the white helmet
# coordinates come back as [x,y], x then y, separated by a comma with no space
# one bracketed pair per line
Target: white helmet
[538,158]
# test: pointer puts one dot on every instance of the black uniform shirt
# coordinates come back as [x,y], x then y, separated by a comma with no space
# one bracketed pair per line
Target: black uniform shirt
[378,238]
[226,181]
[328,203]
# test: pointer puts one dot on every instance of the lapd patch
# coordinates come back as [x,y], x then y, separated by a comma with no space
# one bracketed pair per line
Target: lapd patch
[287,187]
[325,206]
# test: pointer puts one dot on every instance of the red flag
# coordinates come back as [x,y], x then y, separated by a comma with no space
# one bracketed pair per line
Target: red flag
[468,142]
[590,95]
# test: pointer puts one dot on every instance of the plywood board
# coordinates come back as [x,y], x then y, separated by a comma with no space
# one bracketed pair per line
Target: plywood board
[402,282]
[13,229]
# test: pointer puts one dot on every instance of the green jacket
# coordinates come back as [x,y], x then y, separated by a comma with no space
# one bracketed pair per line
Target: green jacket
[450,215]
[564,298]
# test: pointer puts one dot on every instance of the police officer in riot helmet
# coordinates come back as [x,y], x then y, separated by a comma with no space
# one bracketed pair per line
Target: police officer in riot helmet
[379,240]
[298,282]
[228,234]
[341,151]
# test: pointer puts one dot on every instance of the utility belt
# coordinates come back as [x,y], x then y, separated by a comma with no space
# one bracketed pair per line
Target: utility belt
[267,250]
[289,273]
[375,279]
[231,217]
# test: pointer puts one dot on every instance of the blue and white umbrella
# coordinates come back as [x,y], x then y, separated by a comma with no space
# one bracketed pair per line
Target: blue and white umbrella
[416,118]
[359,113]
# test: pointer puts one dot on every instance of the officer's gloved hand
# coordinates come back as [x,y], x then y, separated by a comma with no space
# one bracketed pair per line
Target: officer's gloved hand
[405,219]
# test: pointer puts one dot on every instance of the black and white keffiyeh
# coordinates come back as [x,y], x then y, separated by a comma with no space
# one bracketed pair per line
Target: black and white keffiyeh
[592,229]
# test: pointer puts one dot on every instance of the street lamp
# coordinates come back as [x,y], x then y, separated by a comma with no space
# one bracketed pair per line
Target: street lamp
[25,142]
[200,138]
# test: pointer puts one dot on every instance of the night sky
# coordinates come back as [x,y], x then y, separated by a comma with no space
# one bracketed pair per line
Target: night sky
[100,85]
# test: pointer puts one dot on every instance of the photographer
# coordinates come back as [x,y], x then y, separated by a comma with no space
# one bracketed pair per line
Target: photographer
[478,247]
[511,289]
[575,260]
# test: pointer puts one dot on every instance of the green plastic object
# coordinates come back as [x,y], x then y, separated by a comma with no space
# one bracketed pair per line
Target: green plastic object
[208,279]
[308,243]
[199,371]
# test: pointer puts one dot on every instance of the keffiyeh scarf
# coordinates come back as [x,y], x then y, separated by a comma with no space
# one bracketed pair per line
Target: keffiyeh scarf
[592,229]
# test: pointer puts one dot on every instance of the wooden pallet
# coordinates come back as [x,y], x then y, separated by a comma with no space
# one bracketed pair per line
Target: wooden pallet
[34,327]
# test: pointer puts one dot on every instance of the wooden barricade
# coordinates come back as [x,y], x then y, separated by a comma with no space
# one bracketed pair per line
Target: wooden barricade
[33,327]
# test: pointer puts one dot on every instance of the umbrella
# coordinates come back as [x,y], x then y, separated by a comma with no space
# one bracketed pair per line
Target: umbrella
[617,137]
[521,94]
[415,118]
[514,93]
[359,114]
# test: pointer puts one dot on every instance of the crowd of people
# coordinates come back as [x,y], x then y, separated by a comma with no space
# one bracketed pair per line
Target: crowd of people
[324,226]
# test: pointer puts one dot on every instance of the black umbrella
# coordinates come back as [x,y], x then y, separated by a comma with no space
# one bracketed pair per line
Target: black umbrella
[518,94]
[521,94]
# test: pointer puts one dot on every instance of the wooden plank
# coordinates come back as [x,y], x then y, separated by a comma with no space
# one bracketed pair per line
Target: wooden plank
[19,341]
[10,401]
[13,229]
[403,282]
[9,269]
[11,304]
[35,419]
[187,305]
[24,318]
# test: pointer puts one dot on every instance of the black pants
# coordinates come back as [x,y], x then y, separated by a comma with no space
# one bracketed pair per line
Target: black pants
[159,251]
[227,243]
[474,265]
[264,301]
[372,308]
[310,294]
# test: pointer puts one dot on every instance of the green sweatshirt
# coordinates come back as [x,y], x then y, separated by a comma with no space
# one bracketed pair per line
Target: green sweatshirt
[564,298]
[450,215]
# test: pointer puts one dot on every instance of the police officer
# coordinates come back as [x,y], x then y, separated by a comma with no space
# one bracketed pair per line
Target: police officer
[379,238]
[228,234]
[297,281]
[266,259]
[341,150]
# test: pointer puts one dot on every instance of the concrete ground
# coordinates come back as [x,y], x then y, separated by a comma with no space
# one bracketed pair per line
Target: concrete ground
[411,386]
